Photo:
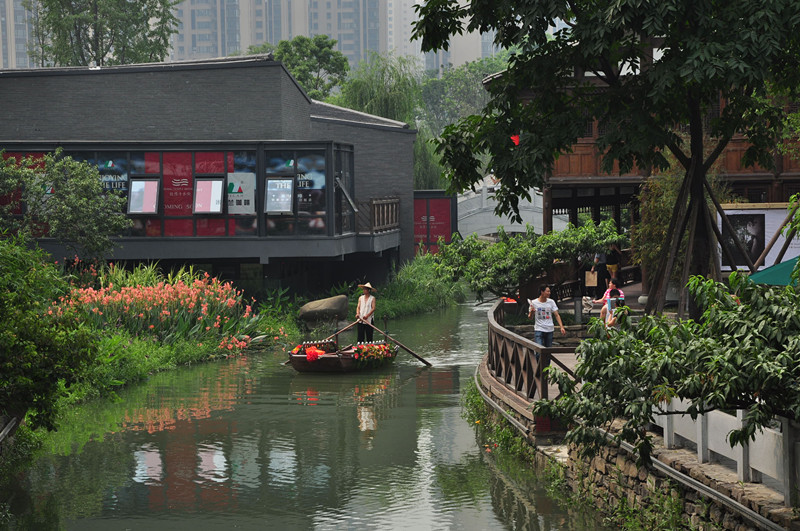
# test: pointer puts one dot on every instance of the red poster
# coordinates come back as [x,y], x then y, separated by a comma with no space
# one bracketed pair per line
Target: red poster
[178,227]
[153,227]
[152,163]
[439,219]
[178,184]
[209,162]
[210,227]
[420,220]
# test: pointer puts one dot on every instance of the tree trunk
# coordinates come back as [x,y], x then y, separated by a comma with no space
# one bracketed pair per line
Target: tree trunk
[699,259]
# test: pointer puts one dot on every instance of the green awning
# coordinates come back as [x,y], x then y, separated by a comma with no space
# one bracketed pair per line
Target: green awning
[777,275]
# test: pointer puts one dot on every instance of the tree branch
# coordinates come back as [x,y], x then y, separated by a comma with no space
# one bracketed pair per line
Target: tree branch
[716,152]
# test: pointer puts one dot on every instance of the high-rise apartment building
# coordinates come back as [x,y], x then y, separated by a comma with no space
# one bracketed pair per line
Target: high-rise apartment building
[15,31]
[401,16]
[219,28]
[216,28]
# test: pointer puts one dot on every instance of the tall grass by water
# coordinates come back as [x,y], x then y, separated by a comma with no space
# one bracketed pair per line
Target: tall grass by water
[417,288]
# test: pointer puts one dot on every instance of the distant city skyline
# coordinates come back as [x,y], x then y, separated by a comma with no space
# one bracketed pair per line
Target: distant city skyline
[218,28]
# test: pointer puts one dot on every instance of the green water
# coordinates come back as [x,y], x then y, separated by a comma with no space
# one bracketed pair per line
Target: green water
[248,443]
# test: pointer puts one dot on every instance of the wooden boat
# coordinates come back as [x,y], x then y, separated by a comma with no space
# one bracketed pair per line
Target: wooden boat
[326,356]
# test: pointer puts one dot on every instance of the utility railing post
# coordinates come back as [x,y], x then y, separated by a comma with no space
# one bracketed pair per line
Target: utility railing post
[791,474]
[702,439]
[669,426]
[743,470]
[543,363]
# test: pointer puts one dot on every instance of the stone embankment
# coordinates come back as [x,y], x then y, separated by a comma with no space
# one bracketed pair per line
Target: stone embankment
[706,496]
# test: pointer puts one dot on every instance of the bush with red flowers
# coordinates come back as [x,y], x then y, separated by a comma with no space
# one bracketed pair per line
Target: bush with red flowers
[374,353]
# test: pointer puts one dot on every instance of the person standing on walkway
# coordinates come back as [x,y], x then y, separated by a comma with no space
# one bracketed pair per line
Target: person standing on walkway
[544,309]
[613,259]
[599,266]
[364,311]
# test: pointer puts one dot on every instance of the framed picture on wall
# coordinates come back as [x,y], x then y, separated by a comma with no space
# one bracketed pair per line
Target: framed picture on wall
[208,196]
[143,197]
[279,195]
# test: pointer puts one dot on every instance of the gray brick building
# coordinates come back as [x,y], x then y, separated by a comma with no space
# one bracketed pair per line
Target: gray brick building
[228,165]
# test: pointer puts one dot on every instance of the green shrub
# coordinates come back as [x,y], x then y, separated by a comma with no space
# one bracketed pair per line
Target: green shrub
[41,352]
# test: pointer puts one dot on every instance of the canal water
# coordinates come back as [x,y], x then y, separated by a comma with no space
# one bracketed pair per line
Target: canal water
[248,443]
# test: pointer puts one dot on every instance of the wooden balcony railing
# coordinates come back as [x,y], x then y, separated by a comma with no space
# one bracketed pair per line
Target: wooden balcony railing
[519,363]
[378,215]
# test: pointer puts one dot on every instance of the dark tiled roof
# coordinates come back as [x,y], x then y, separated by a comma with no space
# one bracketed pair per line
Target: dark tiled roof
[327,111]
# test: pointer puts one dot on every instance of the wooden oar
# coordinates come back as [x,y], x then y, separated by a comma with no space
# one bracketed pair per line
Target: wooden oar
[400,344]
[351,325]
[348,327]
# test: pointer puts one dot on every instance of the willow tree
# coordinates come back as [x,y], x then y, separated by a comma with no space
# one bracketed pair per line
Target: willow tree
[384,85]
[644,69]
[389,86]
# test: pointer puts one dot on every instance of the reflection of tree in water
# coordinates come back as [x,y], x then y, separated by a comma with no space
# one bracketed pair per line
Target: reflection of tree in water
[519,495]
[463,482]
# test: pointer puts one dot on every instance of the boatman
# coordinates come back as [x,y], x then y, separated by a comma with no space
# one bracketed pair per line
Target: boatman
[364,311]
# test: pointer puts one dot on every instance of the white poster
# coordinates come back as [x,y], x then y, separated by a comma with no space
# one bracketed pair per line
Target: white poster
[755,225]
[242,193]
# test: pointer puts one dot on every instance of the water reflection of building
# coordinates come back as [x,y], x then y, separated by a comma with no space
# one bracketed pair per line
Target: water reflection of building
[308,445]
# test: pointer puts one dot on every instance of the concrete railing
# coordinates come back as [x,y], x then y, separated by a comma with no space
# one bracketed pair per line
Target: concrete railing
[773,453]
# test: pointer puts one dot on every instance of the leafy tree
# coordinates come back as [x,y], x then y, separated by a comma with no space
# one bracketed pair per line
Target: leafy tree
[61,198]
[656,198]
[257,49]
[745,354]
[41,354]
[709,52]
[500,268]
[314,63]
[101,32]
[459,92]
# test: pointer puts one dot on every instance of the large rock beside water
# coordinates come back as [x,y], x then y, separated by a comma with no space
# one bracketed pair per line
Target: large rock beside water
[322,309]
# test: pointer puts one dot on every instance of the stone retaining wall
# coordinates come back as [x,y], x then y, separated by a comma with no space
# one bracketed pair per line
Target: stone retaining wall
[612,477]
